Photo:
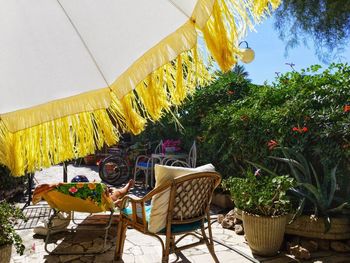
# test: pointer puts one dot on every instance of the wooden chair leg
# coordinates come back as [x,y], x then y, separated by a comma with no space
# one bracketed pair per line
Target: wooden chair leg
[209,242]
[172,244]
[121,235]
[166,252]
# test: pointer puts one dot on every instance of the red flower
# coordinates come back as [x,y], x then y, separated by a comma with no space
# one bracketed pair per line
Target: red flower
[73,190]
[346,108]
[272,144]
[300,130]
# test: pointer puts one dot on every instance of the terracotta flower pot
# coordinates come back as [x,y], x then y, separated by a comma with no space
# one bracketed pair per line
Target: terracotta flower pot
[264,234]
[5,253]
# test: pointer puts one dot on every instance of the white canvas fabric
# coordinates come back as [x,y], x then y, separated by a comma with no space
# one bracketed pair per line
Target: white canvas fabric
[160,202]
[43,58]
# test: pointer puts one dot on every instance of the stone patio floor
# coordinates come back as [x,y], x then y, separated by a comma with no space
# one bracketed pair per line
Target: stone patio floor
[138,248]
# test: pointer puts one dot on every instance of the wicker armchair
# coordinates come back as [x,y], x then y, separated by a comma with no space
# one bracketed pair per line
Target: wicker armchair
[188,211]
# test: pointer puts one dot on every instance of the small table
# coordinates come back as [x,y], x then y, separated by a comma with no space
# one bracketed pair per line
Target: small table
[162,156]
[177,156]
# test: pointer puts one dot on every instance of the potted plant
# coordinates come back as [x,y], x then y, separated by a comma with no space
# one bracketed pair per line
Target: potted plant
[8,235]
[264,204]
[316,190]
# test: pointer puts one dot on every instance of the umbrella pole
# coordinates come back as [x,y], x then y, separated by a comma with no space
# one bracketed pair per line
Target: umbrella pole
[65,174]
[30,177]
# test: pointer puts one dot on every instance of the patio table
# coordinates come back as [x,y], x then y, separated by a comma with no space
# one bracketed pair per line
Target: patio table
[163,156]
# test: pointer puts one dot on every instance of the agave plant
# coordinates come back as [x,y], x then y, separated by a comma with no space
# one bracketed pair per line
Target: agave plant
[311,186]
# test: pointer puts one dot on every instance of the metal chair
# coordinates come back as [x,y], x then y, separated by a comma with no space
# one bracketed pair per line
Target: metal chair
[145,164]
[188,211]
[192,156]
[175,162]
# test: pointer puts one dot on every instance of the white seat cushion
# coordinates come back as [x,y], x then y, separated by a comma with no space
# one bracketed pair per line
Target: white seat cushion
[160,202]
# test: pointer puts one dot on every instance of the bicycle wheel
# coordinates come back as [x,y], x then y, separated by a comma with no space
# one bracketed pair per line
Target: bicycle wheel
[114,170]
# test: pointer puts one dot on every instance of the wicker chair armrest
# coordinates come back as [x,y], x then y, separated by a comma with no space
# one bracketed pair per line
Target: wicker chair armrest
[136,203]
[142,200]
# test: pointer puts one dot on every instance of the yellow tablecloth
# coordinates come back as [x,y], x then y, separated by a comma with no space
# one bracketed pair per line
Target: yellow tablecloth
[68,202]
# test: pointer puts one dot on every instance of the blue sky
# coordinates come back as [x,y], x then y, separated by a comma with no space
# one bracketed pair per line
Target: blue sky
[270,54]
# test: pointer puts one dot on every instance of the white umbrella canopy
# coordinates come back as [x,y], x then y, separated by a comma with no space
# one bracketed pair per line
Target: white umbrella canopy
[74,74]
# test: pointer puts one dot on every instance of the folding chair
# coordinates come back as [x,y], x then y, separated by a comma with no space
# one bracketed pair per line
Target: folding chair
[75,197]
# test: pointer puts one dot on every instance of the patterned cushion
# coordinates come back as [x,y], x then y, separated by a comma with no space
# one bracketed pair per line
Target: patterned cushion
[160,202]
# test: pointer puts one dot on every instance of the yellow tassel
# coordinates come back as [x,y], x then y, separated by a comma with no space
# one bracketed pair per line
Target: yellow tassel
[227,25]
[134,121]
[217,39]
[152,95]
[180,93]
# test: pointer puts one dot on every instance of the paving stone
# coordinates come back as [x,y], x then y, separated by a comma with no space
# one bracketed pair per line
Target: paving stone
[136,251]
[52,259]
[126,258]
[86,245]
[281,259]
[324,244]
[87,259]
[321,254]
[105,257]
[68,258]
[339,246]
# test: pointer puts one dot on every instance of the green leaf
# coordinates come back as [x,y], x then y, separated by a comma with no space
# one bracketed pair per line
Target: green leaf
[327,223]
[262,168]
[292,163]
[318,196]
[299,210]
[315,176]
[333,185]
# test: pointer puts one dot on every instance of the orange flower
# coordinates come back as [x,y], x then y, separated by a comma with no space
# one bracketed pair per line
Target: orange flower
[79,185]
[346,108]
[300,130]
[91,186]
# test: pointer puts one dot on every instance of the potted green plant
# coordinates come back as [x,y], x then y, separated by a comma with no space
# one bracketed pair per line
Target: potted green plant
[264,204]
[8,235]
[316,190]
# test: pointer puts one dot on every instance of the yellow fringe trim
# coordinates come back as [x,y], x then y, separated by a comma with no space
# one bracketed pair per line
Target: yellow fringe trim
[77,126]
[228,24]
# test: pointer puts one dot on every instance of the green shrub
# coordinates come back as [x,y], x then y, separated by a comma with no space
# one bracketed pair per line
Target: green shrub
[261,194]
[8,235]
